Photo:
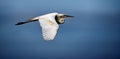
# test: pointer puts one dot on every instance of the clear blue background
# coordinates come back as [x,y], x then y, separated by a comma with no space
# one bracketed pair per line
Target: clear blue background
[94,32]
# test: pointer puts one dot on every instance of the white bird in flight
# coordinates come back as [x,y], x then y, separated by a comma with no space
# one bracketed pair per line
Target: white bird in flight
[49,24]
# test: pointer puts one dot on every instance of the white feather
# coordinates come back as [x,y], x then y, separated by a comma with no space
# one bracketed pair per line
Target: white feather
[49,26]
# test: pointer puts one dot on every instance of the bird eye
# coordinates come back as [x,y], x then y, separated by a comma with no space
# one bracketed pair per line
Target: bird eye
[61,16]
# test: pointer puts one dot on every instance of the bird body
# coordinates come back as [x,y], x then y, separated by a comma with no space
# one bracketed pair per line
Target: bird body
[49,24]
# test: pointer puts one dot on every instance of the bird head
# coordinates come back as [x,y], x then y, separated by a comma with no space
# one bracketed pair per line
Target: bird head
[60,18]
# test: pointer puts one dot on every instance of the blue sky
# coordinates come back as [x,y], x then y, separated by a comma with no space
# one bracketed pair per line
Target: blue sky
[92,34]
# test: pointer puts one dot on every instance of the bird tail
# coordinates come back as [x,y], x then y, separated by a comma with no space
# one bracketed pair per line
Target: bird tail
[30,20]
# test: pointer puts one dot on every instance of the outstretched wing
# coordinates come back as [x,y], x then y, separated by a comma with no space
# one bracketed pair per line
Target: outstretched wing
[49,28]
